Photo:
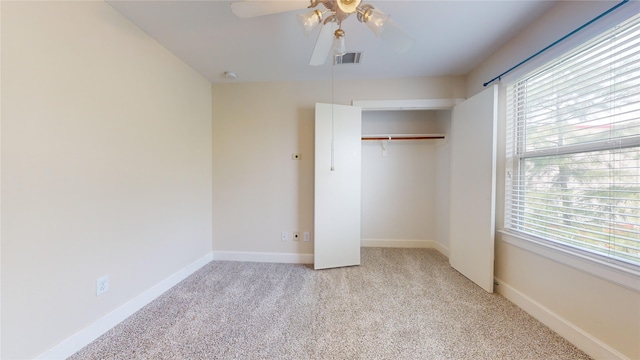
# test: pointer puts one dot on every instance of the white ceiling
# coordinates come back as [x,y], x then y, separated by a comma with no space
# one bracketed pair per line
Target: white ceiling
[451,38]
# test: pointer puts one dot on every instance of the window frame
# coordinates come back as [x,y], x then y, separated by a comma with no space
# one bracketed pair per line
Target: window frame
[617,271]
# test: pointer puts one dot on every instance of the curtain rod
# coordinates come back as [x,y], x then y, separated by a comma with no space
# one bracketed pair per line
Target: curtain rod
[557,41]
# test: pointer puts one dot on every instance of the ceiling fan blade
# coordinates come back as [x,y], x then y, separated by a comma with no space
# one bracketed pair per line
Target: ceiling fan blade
[323,44]
[395,37]
[253,8]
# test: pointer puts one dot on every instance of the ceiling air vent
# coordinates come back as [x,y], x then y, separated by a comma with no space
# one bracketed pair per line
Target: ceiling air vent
[348,58]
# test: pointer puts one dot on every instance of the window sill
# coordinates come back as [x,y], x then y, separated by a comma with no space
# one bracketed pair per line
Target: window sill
[591,264]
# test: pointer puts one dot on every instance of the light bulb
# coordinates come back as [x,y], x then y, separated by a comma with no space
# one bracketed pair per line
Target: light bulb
[309,21]
[375,20]
[339,47]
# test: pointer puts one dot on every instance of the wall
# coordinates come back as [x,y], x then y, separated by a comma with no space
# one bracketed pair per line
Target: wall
[258,190]
[106,168]
[600,317]
[399,189]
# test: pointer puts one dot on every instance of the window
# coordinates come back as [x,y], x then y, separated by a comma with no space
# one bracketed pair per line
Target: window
[573,149]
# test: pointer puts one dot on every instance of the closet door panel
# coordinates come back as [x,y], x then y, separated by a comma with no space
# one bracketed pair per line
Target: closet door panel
[337,186]
[472,187]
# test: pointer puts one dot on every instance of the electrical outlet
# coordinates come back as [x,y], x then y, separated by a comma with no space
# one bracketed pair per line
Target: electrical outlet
[296,236]
[102,285]
[284,236]
[296,156]
[306,236]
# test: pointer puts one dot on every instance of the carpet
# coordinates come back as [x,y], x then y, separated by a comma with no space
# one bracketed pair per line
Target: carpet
[399,304]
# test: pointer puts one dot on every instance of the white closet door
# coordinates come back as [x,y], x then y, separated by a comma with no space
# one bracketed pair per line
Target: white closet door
[337,189]
[473,183]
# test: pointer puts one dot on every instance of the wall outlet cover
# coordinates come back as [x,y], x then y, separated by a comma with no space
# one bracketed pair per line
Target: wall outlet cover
[102,285]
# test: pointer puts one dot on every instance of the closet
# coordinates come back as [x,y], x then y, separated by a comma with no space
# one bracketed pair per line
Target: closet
[386,176]
[404,178]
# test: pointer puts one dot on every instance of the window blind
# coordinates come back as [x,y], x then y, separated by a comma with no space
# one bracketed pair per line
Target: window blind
[573,148]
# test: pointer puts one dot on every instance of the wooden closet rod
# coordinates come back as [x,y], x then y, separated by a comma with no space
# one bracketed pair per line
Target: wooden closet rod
[417,137]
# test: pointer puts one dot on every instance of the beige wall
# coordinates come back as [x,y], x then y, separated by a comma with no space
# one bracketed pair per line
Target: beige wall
[258,190]
[106,168]
[607,312]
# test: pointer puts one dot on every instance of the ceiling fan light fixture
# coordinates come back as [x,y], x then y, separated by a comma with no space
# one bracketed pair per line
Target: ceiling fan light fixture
[375,19]
[339,47]
[309,21]
[329,19]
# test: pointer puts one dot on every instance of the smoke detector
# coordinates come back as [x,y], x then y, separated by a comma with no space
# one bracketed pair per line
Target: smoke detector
[230,75]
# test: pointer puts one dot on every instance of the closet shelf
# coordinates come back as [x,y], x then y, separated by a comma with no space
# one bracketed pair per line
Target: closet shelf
[389,137]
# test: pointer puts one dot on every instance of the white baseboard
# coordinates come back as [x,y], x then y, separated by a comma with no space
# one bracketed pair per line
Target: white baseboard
[292,258]
[84,337]
[575,335]
[285,258]
[402,243]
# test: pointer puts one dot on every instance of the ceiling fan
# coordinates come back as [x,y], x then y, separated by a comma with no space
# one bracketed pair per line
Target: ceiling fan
[330,16]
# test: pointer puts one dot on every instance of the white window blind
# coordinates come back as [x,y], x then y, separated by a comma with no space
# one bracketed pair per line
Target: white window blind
[573,149]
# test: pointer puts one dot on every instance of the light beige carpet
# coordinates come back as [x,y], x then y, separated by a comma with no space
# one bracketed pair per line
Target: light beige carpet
[399,304]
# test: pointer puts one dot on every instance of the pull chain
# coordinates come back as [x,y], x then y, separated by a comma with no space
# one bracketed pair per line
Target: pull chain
[332,118]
